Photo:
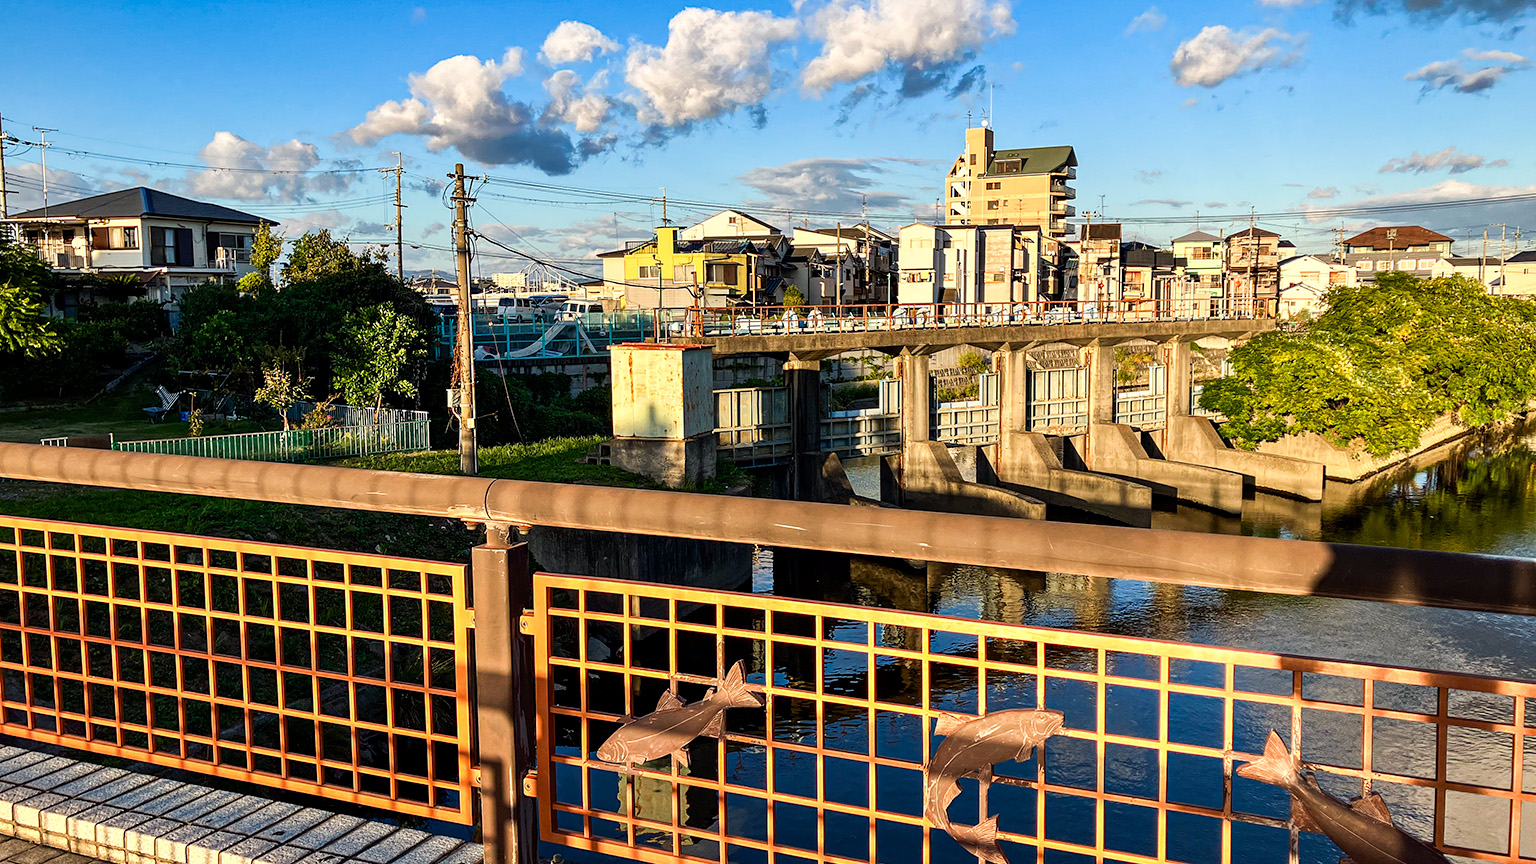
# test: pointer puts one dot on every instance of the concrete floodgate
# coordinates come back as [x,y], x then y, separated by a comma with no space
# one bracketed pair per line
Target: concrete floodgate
[124,817]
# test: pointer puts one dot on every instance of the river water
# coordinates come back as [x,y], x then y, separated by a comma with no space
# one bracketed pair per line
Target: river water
[1477,495]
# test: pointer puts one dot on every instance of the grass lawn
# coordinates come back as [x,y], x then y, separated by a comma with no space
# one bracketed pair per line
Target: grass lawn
[120,413]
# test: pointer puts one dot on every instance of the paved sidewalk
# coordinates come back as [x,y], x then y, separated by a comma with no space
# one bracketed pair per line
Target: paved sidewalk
[15,851]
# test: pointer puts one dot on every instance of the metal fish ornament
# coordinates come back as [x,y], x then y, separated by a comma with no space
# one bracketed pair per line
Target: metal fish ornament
[972,745]
[1362,828]
[673,725]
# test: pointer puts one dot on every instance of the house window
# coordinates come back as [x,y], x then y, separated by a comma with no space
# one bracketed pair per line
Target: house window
[1009,166]
[1406,264]
[731,220]
[991,205]
[994,277]
[722,274]
[170,247]
[1363,265]
[650,271]
[126,237]
[1336,277]
[994,186]
[682,273]
[992,221]
[1383,265]
[973,158]
[1426,263]
[1202,253]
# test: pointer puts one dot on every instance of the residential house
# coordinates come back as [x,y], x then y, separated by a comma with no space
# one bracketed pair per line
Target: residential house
[1253,267]
[1485,269]
[864,257]
[1519,275]
[974,264]
[728,225]
[1201,254]
[1099,262]
[987,186]
[688,273]
[1402,248]
[1305,281]
[166,241]
[1147,272]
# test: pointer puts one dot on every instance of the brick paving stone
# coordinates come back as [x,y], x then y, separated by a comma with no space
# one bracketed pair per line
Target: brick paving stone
[293,825]
[364,836]
[322,835]
[435,849]
[262,818]
[40,768]
[201,804]
[466,853]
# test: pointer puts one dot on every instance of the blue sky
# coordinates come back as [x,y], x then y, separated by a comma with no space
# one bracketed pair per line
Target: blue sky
[1174,108]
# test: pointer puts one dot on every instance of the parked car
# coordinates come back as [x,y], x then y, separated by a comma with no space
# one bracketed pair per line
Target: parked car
[519,310]
[550,303]
[588,312]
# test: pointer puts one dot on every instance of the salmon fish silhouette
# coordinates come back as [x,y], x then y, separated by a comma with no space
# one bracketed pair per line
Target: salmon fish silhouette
[1362,828]
[673,725]
[972,745]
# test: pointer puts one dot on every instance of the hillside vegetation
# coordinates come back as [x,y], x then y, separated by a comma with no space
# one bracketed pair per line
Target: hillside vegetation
[1381,364]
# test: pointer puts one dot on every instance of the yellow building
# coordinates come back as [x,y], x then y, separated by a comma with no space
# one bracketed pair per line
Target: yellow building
[670,273]
[987,186]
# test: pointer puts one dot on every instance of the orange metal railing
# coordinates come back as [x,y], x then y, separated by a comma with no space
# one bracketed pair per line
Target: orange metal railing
[830,770]
[328,673]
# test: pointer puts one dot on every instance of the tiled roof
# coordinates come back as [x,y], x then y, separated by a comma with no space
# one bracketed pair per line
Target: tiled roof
[142,201]
[1407,235]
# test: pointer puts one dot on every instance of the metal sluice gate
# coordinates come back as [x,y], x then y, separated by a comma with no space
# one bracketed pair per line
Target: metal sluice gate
[831,767]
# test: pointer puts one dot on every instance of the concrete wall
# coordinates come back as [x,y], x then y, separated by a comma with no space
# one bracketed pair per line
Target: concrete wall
[929,480]
[1027,463]
[1353,463]
[1195,440]
[1116,449]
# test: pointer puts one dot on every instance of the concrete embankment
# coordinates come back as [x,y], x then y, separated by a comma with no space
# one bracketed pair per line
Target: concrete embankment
[1196,441]
[925,477]
[1025,462]
[1116,449]
[1353,463]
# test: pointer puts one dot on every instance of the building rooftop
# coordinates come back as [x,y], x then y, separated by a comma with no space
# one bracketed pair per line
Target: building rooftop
[1036,160]
[1197,237]
[1407,235]
[1526,257]
[141,201]
[1251,232]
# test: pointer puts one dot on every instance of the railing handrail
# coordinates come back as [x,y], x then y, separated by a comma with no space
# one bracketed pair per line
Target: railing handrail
[1295,567]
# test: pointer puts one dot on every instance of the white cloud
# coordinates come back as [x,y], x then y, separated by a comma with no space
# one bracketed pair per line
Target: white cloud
[1162,202]
[1323,193]
[1448,219]
[1455,74]
[1450,160]
[574,41]
[713,63]
[459,103]
[26,186]
[838,185]
[585,108]
[1151,20]
[862,38]
[1148,176]
[241,170]
[1218,53]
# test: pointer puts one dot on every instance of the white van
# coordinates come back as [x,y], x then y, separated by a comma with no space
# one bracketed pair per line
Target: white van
[519,310]
[588,312]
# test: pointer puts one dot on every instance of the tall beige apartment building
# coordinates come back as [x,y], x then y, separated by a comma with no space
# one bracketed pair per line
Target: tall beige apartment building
[1025,187]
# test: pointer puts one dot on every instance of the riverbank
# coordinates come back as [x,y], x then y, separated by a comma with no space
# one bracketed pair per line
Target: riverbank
[1355,463]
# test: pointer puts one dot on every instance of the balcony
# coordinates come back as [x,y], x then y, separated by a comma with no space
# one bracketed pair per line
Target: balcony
[1069,173]
[1062,208]
[225,258]
[1060,189]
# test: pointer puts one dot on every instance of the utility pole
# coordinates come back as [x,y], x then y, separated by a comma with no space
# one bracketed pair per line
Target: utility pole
[398,170]
[1391,250]
[464,356]
[4,208]
[1503,239]
[664,206]
[868,249]
[1338,243]
[1482,262]
[44,145]
[839,268]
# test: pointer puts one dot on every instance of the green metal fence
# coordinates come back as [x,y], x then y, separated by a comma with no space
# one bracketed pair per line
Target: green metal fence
[297,445]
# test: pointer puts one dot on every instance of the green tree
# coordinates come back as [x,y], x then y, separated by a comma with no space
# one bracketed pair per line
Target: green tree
[279,391]
[793,297]
[24,278]
[1382,363]
[378,347]
[972,363]
[265,250]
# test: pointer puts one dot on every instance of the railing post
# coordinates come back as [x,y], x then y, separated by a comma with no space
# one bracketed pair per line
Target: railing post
[504,699]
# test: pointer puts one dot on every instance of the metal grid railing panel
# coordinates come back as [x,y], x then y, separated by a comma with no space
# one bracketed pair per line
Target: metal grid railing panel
[328,673]
[295,445]
[831,768]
